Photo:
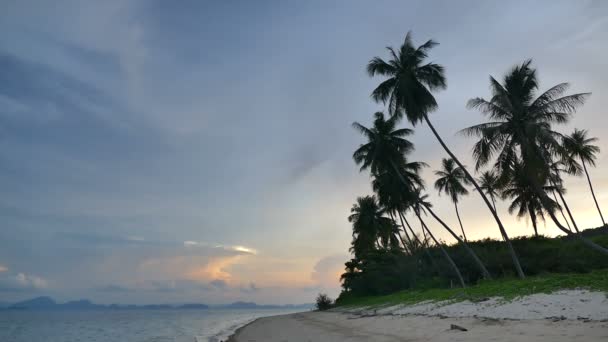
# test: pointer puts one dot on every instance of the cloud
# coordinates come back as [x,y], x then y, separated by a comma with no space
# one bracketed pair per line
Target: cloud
[21,282]
[3,268]
[327,271]
[219,284]
[251,288]
[114,289]
[236,248]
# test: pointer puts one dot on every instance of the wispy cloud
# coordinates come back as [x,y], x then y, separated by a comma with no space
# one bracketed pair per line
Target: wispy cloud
[21,282]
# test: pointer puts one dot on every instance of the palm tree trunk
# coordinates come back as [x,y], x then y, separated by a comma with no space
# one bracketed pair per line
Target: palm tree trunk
[407,235]
[503,232]
[414,237]
[459,221]
[533,219]
[480,264]
[545,200]
[493,202]
[561,196]
[405,246]
[561,210]
[445,253]
[402,216]
[593,192]
[422,245]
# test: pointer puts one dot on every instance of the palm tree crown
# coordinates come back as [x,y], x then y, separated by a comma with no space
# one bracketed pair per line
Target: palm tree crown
[579,145]
[369,225]
[525,200]
[488,182]
[386,145]
[520,125]
[451,180]
[409,80]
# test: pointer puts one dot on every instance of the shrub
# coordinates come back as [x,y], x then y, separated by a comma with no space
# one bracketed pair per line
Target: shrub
[323,302]
[382,272]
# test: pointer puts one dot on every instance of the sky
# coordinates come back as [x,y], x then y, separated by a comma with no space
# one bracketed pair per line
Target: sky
[155,152]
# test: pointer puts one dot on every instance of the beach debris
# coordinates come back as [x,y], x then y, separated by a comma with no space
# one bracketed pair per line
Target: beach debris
[457,327]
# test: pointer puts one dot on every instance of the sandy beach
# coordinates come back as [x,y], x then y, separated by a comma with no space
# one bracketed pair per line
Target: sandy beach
[334,326]
[532,318]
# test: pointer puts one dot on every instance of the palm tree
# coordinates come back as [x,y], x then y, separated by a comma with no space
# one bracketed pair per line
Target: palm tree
[418,206]
[520,131]
[384,154]
[394,195]
[385,148]
[408,91]
[451,181]
[525,199]
[369,226]
[488,182]
[578,145]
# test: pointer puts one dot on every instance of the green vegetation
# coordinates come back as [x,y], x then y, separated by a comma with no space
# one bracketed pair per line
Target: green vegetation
[507,288]
[525,159]
[323,302]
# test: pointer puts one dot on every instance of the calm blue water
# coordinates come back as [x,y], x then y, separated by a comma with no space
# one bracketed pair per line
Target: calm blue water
[125,326]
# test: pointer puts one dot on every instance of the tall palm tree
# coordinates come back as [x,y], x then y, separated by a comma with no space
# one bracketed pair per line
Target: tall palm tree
[419,204]
[578,145]
[451,181]
[408,91]
[488,181]
[525,199]
[369,226]
[520,131]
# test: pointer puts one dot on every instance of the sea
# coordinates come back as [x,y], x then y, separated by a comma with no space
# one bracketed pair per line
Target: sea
[168,325]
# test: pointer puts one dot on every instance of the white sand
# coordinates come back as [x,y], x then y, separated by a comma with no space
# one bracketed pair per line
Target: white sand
[563,316]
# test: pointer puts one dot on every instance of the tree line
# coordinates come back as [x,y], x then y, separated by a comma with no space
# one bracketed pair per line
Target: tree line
[518,155]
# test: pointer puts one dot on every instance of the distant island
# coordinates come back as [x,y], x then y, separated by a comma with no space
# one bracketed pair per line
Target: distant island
[48,303]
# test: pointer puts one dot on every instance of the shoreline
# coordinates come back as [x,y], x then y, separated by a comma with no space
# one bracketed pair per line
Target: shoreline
[557,317]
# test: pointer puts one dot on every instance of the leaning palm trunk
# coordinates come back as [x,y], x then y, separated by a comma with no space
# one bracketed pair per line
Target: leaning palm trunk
[533,219]
[464,236]
[561,196]
[593,192]
[480,264]
[443,251]
[503,232]
[407,236]
[403,219]
[406,246]
[422,245]
[545,201]
[561,210]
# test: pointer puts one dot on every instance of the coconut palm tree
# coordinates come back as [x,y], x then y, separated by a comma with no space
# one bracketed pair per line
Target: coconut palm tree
[488,181]
[419,204]
[370,228]
[451,181]
[384,154]
[520,131]
[524,199]
[408,89]
[385,148]
[394,195]
[579,145]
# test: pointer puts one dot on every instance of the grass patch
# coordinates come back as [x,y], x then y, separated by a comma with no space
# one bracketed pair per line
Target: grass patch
[506,288]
